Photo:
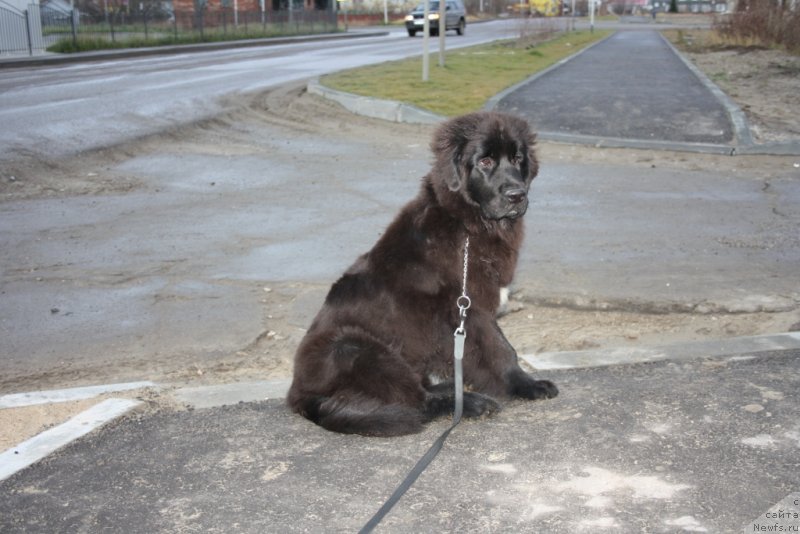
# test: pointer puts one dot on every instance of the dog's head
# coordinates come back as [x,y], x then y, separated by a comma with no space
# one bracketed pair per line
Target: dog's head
[488,158]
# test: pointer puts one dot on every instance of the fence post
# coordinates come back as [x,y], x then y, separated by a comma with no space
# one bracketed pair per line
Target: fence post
[263,17]
[72,16]
[28,32]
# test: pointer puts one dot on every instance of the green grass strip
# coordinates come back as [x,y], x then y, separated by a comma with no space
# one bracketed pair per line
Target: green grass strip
[469,78]
[86,41]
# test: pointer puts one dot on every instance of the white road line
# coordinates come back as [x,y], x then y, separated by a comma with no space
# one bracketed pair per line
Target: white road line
[36,448]
[16,400]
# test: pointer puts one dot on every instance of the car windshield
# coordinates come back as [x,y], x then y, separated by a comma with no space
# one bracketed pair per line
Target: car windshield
[432,6]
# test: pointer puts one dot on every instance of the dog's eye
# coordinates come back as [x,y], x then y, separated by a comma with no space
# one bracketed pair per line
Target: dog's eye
[486,162]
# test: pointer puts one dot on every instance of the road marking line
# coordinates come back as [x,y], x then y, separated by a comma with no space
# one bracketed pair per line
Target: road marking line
[16,400]
[36,448]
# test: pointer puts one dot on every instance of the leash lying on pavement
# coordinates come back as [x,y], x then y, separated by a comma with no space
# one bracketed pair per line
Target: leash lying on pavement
[412,476]
[459,336]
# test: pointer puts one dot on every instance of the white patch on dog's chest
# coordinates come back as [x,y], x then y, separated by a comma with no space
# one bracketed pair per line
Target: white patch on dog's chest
[435,379]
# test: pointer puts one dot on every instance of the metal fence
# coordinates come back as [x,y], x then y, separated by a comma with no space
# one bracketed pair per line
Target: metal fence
[42,28]
[20,31]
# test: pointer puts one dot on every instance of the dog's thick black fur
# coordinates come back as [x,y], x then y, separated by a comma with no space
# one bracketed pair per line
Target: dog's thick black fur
[368,362]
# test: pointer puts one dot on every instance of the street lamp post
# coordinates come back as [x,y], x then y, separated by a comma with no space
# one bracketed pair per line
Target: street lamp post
[343,5]
[426,34]
[442,29]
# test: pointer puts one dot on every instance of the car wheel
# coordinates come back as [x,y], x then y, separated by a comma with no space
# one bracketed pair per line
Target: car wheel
[462,27]
[412,33]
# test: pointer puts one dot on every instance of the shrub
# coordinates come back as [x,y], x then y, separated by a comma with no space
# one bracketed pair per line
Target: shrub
[769,22]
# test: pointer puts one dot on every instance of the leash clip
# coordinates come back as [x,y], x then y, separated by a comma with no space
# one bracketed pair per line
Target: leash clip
[460,337]
[463,304]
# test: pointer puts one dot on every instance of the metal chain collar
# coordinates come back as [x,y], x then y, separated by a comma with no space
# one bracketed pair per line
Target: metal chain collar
[463,302]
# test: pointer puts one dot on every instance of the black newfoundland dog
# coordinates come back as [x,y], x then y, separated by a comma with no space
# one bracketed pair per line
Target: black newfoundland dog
[378,358]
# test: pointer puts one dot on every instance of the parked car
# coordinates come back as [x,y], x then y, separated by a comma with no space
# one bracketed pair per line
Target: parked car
[455,18]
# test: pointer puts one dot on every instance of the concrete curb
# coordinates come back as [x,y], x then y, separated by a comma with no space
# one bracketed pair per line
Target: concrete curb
[753,303]
[68,395]
[388,110]
[678,351]
[225,394]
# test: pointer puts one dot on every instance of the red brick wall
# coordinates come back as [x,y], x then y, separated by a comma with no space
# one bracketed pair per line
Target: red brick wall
[243,5]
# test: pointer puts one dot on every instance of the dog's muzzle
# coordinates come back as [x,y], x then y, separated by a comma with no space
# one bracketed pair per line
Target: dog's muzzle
[515,196]
[517,202]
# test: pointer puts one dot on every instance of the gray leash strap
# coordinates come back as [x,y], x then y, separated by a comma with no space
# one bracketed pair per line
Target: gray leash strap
[425,461]
[459,337]
[411,477]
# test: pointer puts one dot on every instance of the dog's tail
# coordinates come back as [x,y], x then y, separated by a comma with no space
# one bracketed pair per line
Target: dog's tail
[359,414]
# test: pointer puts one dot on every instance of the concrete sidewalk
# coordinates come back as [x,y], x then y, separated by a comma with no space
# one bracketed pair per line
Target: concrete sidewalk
[705,444]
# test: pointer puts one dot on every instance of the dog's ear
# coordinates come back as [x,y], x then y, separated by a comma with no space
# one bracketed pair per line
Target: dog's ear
[454,178]
[449,146]
[533,161]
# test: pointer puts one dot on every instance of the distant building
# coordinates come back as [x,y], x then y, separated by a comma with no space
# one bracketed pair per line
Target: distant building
[254,5]
[18,5]
[695,6]
[621,7]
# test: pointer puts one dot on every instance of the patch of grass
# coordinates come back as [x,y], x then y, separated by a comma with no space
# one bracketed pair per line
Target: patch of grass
[87,42]
[470,77]
[769,23]
[703,40]
[714,40]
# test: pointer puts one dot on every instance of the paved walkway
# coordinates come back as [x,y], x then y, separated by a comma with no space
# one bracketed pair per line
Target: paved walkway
[631,85]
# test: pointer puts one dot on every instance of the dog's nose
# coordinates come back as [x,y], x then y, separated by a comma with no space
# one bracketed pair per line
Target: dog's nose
[515,196]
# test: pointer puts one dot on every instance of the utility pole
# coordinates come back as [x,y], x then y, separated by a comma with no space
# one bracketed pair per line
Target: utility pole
[572,14]
[442,29]
[426,36]
[343,5]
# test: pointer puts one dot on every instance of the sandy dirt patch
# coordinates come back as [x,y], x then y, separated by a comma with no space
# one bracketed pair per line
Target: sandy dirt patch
[22,423]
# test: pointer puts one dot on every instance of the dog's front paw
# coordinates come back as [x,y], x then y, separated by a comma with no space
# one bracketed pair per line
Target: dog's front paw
[476,405]
[521,384]
[541,389]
